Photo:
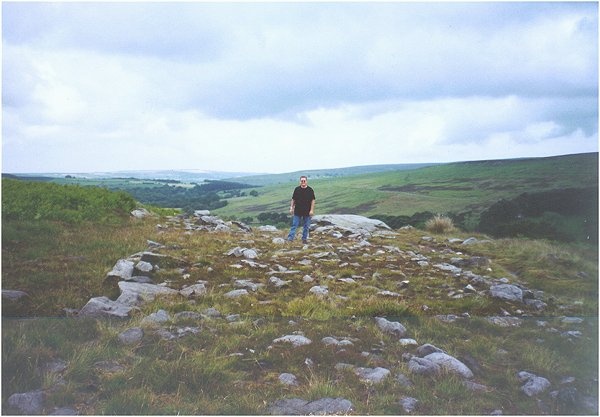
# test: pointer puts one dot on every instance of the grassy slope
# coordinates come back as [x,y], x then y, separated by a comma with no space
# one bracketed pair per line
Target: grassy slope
[442,188]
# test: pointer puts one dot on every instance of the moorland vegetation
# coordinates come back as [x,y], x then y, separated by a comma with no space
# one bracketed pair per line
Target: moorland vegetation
[223,358]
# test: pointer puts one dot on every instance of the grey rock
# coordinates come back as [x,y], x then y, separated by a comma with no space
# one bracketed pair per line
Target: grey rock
[450,364]
[13,295]
[319,290]
[154,319]
[288,379]
[507,292]
[372,375]
[535,385]
[571,320]
[428,349]
[349,223]
[131,336]
[278,241]
[64,411]
[98,307]
[324,406]
[267,228]
[387,326]
[123,269]
[134,293]
[28,403]
[422,366]
[247,284]
[328,341]
[278,282]
[187,315]
[470,241]
[141,279]
[505,321]
[409,404]
[449,268]
[295,340]
[193,290]
[144,266]
[236,293]
[140,213]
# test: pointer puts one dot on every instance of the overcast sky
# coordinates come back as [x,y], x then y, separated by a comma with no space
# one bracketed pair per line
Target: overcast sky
[280,87]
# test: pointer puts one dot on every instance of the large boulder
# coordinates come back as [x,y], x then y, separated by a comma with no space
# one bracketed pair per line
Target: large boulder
[134,293]
[349,223]
[99,307]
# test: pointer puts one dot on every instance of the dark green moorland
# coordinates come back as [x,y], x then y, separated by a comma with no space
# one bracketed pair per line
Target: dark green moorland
[221,356]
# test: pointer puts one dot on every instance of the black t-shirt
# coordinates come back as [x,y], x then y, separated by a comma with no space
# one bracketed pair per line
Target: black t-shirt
[303,198]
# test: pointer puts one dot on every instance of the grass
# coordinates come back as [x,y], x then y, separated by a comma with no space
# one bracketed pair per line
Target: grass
[233,368]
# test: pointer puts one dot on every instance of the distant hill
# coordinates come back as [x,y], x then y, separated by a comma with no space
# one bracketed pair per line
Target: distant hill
[269,179]
[463,190]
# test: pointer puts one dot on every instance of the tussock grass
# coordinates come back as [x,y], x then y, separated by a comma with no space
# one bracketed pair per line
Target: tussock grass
[439,224]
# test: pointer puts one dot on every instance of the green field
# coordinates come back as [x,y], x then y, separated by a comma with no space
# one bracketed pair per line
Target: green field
[447,188]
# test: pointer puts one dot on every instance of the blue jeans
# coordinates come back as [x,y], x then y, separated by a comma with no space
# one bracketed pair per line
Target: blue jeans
[296,220]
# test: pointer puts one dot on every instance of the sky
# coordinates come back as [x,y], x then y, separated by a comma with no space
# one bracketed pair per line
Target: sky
[282,87]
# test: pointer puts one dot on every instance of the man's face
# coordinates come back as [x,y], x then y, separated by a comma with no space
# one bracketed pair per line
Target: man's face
[303,182]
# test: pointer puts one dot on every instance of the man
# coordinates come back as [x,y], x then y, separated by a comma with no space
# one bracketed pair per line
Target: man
[302,207]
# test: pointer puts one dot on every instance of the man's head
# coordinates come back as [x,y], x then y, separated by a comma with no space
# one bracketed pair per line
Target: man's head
[303,181]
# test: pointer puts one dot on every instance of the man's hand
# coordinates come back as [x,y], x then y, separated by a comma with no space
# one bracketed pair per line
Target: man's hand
[311,213]
[291,210]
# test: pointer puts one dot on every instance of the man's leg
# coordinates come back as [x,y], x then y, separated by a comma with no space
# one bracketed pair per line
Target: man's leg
[306,228]
[295,223]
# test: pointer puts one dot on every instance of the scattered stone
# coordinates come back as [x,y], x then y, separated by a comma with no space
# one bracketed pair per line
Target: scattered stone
[13,295]
[450,364]
[278,241]
[470,241]
[507,292]
[28,403]
[144,266]
[278,282]
[572,320]
[247,284]
[428,349]
[194,290]
[408,342]
[387,326]
[372,375]
[535,385]
[422,366]
[134,294]
[140,213]
[99,307]
[328,341]
[155,319]
[448,268]
[319,290]
[288,379]
[505,321]
[123,270]
[409,404]
[131,336]
[297,407]
[295,340]
[236,293]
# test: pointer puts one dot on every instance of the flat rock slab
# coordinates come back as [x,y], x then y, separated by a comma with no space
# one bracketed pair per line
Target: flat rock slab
[322,407]
[295,340]
[450,364]
[99,307]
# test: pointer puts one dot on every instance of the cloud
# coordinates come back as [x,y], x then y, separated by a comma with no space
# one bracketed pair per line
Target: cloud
[246,86]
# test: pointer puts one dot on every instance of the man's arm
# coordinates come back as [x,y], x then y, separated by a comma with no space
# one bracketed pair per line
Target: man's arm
[312,208]
[292,205]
